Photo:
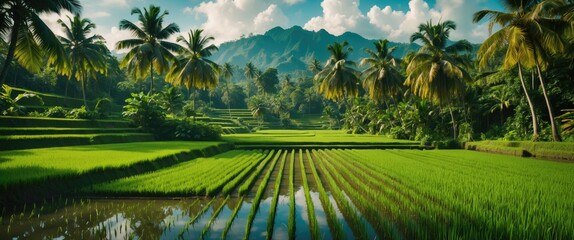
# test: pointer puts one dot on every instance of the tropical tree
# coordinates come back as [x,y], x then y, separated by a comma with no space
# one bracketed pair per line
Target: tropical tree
[530,34]
[250,72]
[266,82]
[436,71]
[85,53]
[227,74]
[149,51]
[192,69]
[28,35]
[381,78]
[315,66]
[338,78]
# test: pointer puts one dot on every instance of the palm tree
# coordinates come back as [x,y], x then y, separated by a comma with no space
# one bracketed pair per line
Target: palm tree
[529,35]
[436,72]
[192,69]
[85,54]
[149,51]
[250,72]
[28,35]
[315,66]
[227,74]
[381,78]
[338,78]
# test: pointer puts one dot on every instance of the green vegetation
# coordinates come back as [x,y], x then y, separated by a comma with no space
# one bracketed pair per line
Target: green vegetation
[271,218]
[313,224]
[291,224]
[544,150]
[20,166]
[197,177]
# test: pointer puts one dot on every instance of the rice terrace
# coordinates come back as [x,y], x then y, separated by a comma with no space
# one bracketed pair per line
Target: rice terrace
[332,119]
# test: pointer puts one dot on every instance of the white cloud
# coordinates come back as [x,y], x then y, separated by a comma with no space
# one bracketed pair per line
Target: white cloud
[115,3]
[292,2]
[114,35]
[227,19]
[340,16]
[99,14]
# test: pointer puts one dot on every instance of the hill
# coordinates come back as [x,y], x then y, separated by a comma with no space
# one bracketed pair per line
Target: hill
[290,49]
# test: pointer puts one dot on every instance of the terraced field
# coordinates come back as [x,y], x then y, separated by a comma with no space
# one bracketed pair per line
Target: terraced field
[325,194]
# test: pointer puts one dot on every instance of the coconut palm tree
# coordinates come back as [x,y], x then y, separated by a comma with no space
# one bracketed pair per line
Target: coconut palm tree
[530,34]
[338,78]
[149,51]
[250,72]
[436,71]
[227,73]
[315,66]
[192,69]
[381,78]
[85,53]
[28,35]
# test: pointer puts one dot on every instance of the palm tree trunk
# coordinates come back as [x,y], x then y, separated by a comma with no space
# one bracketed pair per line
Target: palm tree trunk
[555,134]
[11,48]
[84,93]
[453,122]
[151,76]
[530,105]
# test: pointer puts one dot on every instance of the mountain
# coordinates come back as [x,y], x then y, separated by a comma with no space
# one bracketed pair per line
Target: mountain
[290,50]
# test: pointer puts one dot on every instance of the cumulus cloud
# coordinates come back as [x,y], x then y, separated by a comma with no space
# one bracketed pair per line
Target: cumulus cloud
[340,16]
[292,2]
[228,20]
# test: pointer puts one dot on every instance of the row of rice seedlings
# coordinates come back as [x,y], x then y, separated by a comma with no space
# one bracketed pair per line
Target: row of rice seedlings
[230,185]
[212,219]
[334,224]
[313,224]
[189,178]
[391,204]
[251,180]
[425,209]
[258,196]
[192,220]
[381,225]
[291,224]
[356,222]
[222,181]
[271,218]
[232,218]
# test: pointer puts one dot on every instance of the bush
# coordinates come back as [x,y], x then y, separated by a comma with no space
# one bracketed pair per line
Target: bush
[82,113]
[56,112]
[144,111]
[188,109]
[447,144]
[103,107]
[190,130]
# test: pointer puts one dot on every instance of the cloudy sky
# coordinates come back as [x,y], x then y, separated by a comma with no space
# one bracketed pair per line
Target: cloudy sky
[227,20]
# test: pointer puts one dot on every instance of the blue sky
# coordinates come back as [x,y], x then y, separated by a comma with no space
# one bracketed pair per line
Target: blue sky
[227,20]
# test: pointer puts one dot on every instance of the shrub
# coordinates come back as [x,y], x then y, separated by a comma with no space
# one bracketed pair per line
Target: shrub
[144,110]
[447,144]
[82,113]
[56,112]
[188,109]
[190,130]
[103,107]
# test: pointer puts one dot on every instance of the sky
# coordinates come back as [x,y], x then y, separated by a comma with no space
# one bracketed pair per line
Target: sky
[228,20]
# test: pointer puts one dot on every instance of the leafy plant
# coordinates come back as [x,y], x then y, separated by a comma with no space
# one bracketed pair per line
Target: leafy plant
[9,106]
[82,113]
[144,110]
[56,112]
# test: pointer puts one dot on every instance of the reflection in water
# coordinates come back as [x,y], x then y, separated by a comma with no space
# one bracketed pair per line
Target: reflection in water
[157,219]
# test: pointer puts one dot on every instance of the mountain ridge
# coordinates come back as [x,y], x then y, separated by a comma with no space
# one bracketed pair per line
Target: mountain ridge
[289,50]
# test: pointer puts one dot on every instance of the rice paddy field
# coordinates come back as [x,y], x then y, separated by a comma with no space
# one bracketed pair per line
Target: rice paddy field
[318,194]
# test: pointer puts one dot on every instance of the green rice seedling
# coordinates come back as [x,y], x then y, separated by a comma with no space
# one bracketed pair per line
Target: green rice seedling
[192,220]
[356,223]
[251,180]
[258,196]
[232,218]
[271,218]
[334,224]
[313,224]
[212,219]
[291,224]
[240,177]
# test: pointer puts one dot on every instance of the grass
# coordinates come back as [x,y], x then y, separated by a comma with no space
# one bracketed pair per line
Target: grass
[546,150]
[15,142]
[19,166]
[271,218]
[279,137]
[313,224]
[291,224]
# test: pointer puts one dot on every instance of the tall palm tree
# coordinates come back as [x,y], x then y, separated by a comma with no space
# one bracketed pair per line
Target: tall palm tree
[28,35]
[529,35]
[250,72]
[381,78]
[149,51]
[192,69]
[86,55]
[436,72]
[315,66]
[338,78]
[227,73]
